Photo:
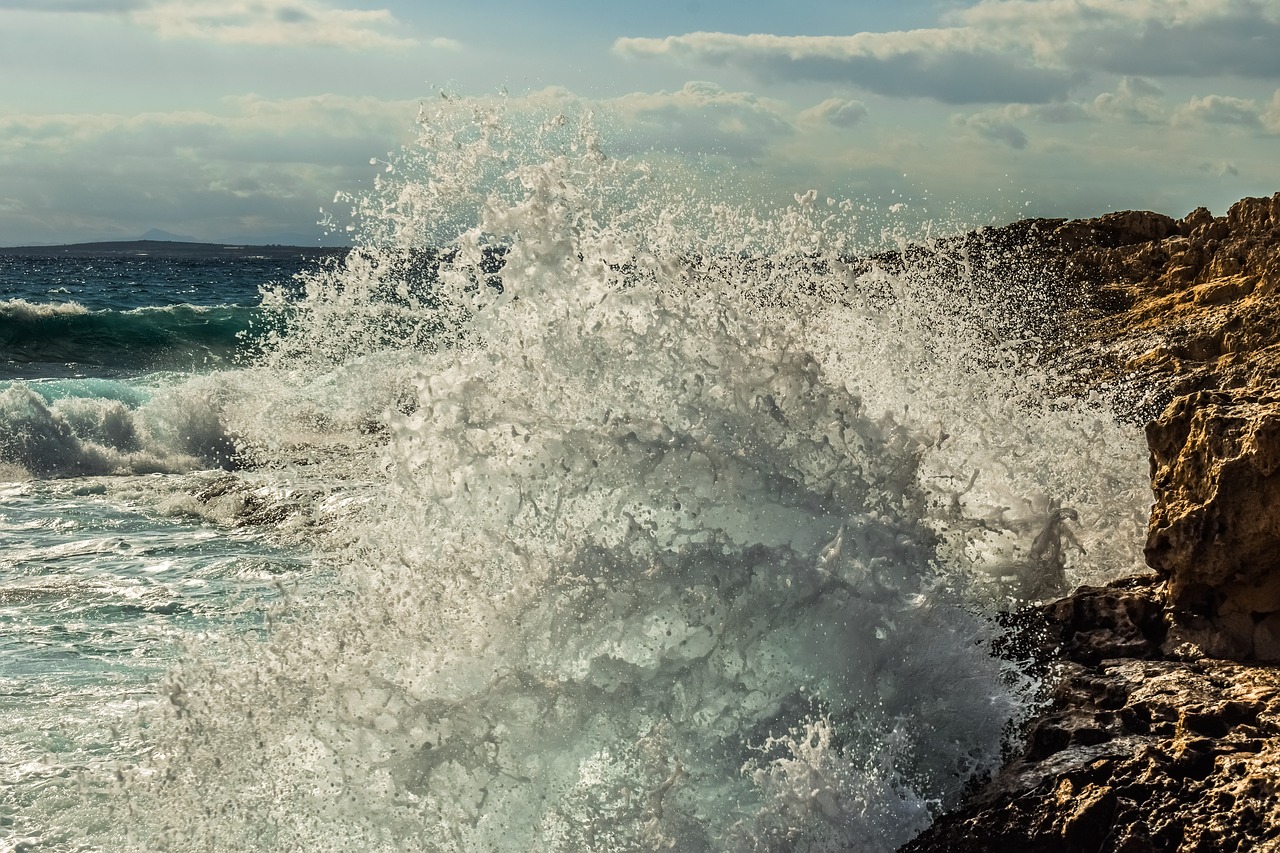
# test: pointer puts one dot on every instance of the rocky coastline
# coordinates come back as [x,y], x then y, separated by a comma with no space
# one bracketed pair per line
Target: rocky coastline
[1161,725]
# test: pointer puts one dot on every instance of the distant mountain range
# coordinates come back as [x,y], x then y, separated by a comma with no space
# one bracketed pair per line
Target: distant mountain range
[156,247]
[168,236]
[159,235]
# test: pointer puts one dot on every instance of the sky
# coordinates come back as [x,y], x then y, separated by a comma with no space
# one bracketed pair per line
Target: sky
[240,120]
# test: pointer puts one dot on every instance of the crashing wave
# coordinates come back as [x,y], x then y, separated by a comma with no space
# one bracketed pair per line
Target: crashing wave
[678,534]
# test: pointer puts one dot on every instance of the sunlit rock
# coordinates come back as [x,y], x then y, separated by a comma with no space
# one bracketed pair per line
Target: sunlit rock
[1215,533]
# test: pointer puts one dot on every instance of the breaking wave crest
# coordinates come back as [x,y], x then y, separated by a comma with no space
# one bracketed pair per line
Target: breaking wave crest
[176,337]
[74,428]
[681,528]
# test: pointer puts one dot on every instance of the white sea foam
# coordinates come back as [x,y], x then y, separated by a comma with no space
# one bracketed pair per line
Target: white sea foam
[21,309]
[169,430]
[673,541]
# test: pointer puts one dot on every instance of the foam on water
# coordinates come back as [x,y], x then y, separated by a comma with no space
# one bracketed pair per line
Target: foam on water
[61,429]
[670,529]
[94,596]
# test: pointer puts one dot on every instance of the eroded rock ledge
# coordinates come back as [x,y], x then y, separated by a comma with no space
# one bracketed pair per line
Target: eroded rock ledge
[1161,730]
[1188,310]
[1141,748]
[1159,308]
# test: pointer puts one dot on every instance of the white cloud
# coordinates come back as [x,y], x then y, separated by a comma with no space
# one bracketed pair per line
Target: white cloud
[1190,39]
[1062,112]
[250,117]
[1221,169]
[1007,51]
[259,166]
[701,117]
[994,127]
[272,22]
[1157,38]
[956,65]
[1136,100]
[293,23]
[837,112]
[1271,118]
[95,6]
[1220,110]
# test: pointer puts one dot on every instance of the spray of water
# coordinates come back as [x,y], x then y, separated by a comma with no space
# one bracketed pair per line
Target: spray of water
[680,529]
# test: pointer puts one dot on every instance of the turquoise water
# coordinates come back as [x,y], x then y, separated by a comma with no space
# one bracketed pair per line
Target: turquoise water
[103,582]
[121,316]
[98,595]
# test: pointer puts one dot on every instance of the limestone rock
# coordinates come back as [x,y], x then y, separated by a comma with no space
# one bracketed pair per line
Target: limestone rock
[1215,528]
[1167,307]
[1125,619]
[1165,757]
[1159,733]
[1179,321]
[1137,753]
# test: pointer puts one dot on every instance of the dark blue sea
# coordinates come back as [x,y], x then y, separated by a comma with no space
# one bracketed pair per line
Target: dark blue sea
[569,511]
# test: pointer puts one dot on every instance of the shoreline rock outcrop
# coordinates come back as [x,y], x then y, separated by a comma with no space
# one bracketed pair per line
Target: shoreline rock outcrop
[1163,308]
[1139,748]
[1161,730]
[1215,525]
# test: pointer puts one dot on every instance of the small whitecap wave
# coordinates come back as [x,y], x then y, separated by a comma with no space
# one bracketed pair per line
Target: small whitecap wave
[174,430]
[21,309]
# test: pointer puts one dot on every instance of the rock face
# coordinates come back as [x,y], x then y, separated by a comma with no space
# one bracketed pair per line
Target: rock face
[1189,310]
[1162,725]
[1137,751]
[1170,307]
[1215,526]
[1181,319]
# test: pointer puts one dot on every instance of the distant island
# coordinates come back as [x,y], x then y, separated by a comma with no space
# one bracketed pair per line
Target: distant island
[170,249]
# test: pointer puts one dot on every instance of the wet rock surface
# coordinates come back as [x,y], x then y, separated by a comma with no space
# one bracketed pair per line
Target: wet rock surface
[1143,745]
[1161,724]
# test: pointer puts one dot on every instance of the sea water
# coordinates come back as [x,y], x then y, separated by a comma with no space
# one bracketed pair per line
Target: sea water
[572,510]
